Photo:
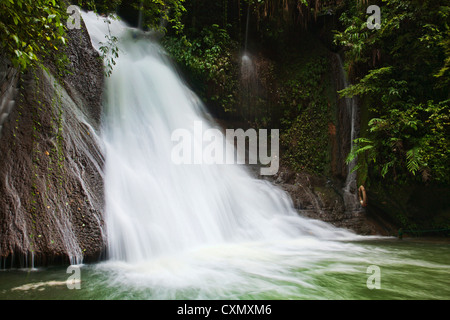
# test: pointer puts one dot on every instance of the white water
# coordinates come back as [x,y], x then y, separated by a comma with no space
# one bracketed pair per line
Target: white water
[184,225]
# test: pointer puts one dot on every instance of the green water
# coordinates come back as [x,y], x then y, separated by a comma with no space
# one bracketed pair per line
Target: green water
[408,269]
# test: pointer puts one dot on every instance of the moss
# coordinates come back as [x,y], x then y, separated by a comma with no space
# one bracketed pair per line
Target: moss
[307,103]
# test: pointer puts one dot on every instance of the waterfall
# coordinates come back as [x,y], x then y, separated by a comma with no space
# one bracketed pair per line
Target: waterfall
[247,24]
[140,20]
[156,208]
[249,89]
[248,79]
[350,187]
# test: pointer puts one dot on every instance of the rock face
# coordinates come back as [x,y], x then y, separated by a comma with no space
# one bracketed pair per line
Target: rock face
[8,89]
[51,181]
[340,135]
[320,198]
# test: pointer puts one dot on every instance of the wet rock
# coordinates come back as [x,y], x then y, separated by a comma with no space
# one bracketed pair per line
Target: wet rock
[51,179]
[321,198]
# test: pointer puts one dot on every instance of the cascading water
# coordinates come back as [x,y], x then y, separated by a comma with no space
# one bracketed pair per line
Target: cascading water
[249,86]
[179,225]
[248,78]
[247,25]
[350,187]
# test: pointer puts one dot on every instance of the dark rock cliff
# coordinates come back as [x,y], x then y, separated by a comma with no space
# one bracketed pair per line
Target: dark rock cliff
[320,198]
[51,180]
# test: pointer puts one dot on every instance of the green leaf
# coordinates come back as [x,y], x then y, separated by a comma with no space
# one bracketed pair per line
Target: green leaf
[413,160]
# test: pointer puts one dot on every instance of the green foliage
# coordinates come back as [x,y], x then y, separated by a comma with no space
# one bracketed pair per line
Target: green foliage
[413,160]
[157,13]
[31,30]
[304,124]
[109,49]
[100,6]
[110,52]
[408,142]
[155,16]
[401,71]
[208,60]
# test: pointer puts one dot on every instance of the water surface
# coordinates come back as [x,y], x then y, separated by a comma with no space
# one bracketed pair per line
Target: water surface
[287,270]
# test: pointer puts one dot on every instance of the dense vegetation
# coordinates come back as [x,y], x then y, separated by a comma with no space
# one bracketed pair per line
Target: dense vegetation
[401,71]
[207,59]
[307,106]
[401,74]
[31,30]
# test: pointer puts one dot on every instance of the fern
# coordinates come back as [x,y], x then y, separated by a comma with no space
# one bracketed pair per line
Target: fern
[413,160]
[385,168]
[361,145]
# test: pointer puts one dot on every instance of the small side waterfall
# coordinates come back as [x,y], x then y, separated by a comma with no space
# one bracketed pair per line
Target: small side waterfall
[249,87]
[249,91]
[247,25]
[350,187]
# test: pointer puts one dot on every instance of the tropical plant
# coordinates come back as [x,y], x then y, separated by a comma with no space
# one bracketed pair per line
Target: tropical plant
[401,73]
[31,30]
